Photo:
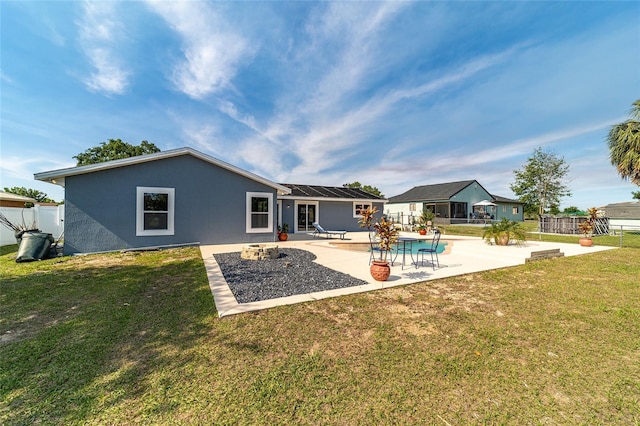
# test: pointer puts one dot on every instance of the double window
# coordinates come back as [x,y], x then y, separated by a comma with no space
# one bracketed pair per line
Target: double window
[154,211]
[358,208]
[259,212]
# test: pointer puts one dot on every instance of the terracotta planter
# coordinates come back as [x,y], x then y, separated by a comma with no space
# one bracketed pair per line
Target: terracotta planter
[422,232]
[283,236]
[502,240]
[380,270]
[585,242]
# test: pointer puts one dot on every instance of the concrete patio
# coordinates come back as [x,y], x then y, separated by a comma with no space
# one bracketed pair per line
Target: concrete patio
[463,255]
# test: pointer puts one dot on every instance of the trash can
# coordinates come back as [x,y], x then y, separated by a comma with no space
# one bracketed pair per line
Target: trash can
[34,246]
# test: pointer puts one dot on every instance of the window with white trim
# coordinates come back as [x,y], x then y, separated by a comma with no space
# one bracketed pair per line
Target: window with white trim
[154,211]
[259,212]
[515,210]
[412,207]
[358,208]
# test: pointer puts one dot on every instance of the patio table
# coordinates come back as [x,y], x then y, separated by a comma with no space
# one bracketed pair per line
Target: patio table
[404,245]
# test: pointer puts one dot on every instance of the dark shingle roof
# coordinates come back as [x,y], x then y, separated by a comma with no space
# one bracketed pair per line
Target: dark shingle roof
[628,210]
[439,191]
[315,191]
[500,199]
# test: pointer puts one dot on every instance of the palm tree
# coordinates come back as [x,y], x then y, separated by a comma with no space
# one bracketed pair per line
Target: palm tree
[624,146]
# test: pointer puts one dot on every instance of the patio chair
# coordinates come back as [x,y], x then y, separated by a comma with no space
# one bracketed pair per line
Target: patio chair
[433,250]
[319,230]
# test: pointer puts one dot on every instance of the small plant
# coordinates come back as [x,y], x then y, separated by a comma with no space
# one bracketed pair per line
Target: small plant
[586,228]
[367,218]
[427,216]
[387,235]
[284,229]
[500,233]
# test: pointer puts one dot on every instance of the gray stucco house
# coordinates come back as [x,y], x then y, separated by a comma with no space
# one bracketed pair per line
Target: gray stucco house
[183,196]
[453,202]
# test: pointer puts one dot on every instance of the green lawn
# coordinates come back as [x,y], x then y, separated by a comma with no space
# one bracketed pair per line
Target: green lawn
[135,338]
[629,238]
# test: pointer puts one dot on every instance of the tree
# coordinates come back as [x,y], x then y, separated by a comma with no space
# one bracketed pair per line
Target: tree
[114,150]
[540,182]
[370,189]
[636,195]
[39,196]
[624,146]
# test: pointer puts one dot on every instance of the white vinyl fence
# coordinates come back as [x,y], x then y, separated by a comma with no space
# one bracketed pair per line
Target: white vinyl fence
[48,219]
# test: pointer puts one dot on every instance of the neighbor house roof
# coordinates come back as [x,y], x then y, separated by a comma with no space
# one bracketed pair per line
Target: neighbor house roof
[499,199]
[438,191]
[7,196]
[58,176]
[329,192]
[629,210]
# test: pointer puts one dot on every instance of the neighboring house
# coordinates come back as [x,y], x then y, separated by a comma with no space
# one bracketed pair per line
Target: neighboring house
[453,202]
[8,199]
[335,208]
[174,197]
[623,214]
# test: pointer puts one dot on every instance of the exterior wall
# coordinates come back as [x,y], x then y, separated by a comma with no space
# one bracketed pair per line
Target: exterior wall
[332,215]
[472,194]
[519,217]
[625,223]
[210,206]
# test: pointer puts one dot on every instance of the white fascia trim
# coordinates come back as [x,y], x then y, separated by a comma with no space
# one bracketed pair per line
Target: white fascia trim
[59,175]
[347,200]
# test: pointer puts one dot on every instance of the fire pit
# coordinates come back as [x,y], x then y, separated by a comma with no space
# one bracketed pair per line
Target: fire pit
[260,252]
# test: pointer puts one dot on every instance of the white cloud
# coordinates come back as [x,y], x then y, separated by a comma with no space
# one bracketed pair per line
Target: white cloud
[212,50]
[99,31]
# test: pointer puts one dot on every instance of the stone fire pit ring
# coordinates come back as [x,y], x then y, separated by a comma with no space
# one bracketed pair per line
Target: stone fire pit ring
[260,252]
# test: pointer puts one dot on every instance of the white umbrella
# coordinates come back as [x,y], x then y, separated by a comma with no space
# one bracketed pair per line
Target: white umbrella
[484,203]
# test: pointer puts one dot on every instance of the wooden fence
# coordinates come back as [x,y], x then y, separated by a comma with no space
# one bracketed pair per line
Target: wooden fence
[569,225]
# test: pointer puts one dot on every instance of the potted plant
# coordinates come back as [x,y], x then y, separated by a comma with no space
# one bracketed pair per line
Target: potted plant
[283,232]
[384,234]
[427,218]
[500,233]
[387,235]
[586,227]
[422,229]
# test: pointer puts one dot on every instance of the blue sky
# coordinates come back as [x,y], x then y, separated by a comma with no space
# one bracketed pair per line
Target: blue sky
[393,95]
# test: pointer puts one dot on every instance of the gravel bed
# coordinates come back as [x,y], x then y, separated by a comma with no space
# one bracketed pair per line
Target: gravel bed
[294,272]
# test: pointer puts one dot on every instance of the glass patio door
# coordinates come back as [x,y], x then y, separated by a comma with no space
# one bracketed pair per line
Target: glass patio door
[306,216]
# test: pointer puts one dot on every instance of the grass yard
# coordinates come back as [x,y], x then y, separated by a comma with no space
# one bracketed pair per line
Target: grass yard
[629,239]
[135,338]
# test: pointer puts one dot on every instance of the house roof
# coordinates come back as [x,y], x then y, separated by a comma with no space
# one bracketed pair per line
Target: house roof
[439,191]
[330,192]
[7,196]
[58,176]
[499,199]
[629,210]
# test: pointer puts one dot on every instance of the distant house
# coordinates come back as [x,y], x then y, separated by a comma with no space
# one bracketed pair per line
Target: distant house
[336,208]
[623,214]
[8,199]
[453,202]
[183,196]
